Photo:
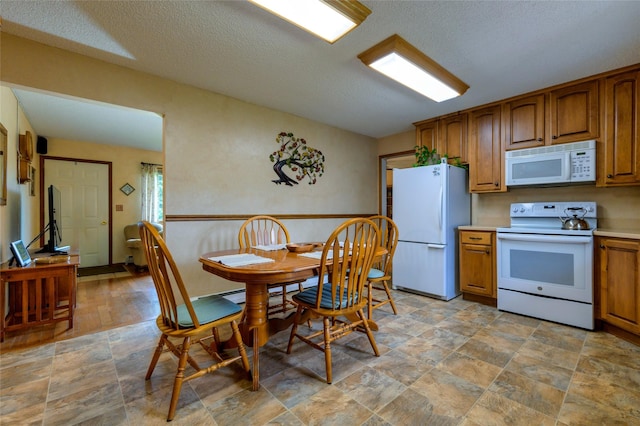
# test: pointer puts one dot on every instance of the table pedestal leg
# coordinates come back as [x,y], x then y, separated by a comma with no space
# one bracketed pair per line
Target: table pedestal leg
[256,324]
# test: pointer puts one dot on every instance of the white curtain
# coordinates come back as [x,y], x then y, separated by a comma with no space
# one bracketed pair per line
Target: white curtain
[151,192]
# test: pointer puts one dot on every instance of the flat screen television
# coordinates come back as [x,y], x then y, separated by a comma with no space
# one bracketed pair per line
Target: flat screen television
[54,226]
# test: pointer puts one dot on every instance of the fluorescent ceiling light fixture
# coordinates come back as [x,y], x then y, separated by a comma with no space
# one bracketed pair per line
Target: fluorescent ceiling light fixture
[327,19]
[397,59]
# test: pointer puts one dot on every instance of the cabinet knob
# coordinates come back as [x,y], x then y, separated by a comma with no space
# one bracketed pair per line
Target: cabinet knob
[554,137]
[540,139]
[497,184]
[602,246]
[610,176]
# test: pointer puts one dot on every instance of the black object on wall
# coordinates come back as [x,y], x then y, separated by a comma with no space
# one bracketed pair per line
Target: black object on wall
[41,145]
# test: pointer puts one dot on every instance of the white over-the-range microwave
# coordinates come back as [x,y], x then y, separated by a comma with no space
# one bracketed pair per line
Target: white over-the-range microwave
[561,164]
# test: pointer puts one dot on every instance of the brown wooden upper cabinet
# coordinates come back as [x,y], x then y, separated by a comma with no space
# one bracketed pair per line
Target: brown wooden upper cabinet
[427,133]
[621,153]
[447,134]
[452,136]
[524,122]
[485,153]
[574,112]
[573,116]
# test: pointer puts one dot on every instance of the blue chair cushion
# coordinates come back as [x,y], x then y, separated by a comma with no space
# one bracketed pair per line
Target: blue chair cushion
[308,296]
[207,309]
[375,273]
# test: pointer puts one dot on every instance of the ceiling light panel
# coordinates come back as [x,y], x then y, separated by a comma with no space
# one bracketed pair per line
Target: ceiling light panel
[329,20]
[399,60]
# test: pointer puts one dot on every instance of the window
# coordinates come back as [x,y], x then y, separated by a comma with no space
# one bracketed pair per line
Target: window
[152,193]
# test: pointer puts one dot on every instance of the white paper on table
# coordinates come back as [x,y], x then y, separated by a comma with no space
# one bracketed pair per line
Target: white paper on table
[270,247]
[235,260]
[318,254]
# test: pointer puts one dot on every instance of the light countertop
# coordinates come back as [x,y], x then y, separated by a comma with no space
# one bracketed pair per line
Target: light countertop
[478,228]
[633,234]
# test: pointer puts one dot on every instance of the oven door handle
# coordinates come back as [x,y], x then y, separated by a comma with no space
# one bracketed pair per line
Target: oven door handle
[545,238]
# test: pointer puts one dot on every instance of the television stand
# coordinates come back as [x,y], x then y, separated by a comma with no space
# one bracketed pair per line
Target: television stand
[39,293]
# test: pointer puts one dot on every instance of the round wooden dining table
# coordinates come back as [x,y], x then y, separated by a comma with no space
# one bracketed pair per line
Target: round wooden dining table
[287,267]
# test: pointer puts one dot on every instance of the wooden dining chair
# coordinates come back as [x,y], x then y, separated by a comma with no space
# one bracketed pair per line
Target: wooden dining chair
[191,319]
[267,230]
[345,262]
[380,274]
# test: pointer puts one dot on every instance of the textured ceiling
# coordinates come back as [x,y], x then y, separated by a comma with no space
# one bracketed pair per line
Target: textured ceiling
[500,49]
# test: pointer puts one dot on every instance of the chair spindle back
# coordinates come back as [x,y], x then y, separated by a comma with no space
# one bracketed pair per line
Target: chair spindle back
[165,275]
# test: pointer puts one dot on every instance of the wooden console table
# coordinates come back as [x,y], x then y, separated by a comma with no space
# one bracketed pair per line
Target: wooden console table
[39,293]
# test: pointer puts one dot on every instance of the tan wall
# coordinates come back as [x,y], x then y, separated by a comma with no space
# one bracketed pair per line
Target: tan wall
[216,151]
[399,142]
[18,219]
[125,168]
[617,207]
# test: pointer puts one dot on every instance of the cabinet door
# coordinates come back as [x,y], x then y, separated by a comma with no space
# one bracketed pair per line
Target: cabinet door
[427,133]
[524,123]
[620,283]
[476,269]
[485,153]
[452,137]
[574,113]
[622,138]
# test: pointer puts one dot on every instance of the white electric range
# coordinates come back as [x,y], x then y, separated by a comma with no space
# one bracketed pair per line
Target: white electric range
[545,271]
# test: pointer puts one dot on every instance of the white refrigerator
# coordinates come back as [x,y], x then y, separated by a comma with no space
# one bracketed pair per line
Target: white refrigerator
[429,203]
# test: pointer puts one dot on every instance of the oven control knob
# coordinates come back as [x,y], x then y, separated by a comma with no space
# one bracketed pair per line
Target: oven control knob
[539,288]
[522,209]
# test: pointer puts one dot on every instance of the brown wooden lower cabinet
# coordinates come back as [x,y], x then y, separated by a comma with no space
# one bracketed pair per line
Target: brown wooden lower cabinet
[617,280]
[478,266]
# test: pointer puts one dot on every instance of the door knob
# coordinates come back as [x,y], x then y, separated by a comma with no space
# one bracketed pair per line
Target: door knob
[104,222]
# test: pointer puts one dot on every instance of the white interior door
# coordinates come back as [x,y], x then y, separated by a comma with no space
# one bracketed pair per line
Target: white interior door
[85,207]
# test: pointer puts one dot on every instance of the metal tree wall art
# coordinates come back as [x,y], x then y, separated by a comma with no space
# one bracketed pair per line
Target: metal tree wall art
[300,158]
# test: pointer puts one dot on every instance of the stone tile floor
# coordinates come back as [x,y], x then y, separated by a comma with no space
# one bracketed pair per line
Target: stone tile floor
[444,363]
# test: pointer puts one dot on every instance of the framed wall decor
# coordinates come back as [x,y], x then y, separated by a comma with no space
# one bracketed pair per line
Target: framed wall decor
[3,165]
[127,189]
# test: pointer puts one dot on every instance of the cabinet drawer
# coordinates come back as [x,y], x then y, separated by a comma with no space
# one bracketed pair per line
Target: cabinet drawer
[467,237]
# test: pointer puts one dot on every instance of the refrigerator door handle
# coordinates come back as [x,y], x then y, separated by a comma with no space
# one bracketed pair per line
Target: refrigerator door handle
[437,246]
[440,209]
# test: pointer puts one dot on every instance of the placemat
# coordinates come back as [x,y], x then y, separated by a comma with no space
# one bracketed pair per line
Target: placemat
[270,247]
[235,260]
